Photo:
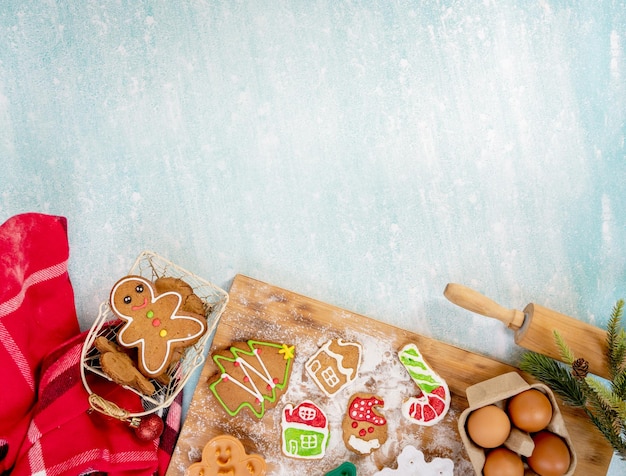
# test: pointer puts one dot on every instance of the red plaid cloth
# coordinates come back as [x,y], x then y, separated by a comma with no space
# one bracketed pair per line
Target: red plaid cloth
[46,425]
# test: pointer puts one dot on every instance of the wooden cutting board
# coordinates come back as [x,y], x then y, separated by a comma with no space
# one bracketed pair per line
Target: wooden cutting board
[260,311]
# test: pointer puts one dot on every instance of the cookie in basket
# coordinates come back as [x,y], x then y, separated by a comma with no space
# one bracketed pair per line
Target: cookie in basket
[251,375]
[190,301]
[120,367]
[153,323]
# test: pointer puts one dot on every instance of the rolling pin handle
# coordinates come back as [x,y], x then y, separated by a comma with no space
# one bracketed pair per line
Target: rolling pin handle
[474,301]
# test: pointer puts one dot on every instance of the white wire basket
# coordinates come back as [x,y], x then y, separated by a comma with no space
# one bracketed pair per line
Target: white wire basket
[152,266]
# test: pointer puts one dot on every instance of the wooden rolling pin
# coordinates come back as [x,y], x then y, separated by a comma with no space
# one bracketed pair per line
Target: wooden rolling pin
[535,325]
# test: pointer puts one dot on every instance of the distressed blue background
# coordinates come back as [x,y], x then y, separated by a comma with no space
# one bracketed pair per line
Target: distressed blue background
[361,153]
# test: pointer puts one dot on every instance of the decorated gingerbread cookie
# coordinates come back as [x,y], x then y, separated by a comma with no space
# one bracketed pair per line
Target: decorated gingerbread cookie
[364,429]
[251,375]
[154,323]
[225,455]
[433,402]
[335,365]
[304,431]
[411,462]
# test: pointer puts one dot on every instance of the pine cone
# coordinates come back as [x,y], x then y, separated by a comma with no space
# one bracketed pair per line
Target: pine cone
[580,368]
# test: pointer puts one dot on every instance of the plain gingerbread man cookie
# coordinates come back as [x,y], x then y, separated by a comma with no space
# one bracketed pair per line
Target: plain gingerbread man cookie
[225,455]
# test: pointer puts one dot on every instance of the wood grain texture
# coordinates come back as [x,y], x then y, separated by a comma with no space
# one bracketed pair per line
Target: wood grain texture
[584,339]
[260,310]
[534,328]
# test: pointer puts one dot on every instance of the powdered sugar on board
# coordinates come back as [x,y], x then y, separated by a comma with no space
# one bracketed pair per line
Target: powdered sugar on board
[380,373]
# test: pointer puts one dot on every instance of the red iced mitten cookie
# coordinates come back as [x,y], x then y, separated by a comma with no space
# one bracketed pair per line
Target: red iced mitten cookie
[364,429]
[154,323]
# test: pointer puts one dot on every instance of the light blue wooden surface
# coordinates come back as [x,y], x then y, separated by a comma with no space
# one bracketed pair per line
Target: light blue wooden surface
[361,153]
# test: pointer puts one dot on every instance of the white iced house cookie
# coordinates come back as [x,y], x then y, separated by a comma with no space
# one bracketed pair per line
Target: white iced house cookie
[335,365]
[433,402]
[411,462]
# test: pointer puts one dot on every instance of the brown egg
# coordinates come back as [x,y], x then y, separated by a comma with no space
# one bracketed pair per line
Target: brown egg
[503,462]
[551,456]
[530,410]
[488,426]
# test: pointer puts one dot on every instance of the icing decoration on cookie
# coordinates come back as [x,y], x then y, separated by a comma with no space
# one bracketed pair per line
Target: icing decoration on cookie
[305,431]
[225,455]
[433,402]
[411,462]
[335,365]
[345,469]
[153,323]
[251,375]
[364,429]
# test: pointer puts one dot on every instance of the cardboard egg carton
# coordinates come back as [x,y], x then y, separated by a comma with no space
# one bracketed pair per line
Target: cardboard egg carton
[497,391]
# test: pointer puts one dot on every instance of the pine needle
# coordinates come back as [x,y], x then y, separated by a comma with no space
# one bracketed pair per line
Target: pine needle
[616,340]
[566,353]
[619,385]
[610,401]
[554,375]
[604,402]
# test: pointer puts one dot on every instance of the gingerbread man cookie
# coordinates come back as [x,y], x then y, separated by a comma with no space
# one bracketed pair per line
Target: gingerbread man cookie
[154,323]
[225,455]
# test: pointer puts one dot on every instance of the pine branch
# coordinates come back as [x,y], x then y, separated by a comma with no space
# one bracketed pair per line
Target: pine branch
[619,385]
[616,340]
[566,353]
[616,442]
[605,404]
[609,399]
[554,375]
[603,416]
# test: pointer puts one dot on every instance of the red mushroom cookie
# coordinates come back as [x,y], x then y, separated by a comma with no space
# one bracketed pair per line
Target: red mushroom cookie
[364,429]
[154,323]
